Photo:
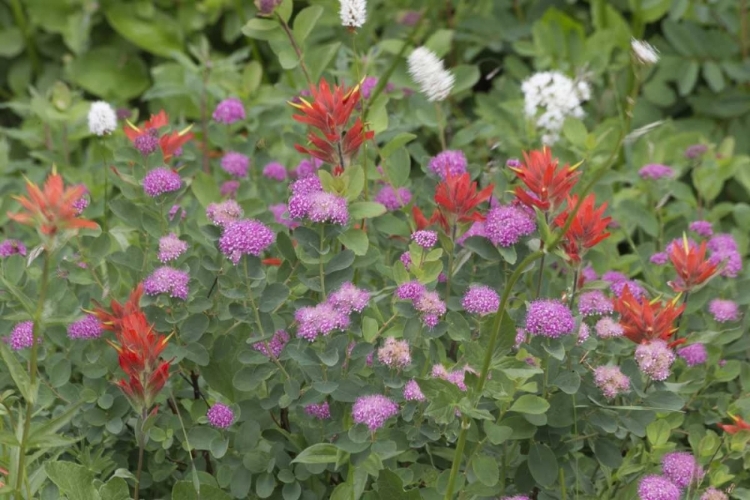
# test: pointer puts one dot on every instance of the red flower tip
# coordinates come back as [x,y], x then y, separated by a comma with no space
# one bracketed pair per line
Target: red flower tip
[643,320]
[547,184]
[457,198]
[693,269]
[588,228]
[739,425]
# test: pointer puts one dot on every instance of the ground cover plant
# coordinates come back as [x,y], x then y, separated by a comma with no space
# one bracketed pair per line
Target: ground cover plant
[374,249]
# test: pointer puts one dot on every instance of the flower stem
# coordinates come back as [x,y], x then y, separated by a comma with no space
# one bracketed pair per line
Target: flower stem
[441,125]
[296,48]
[140,467]
[320,263]
[457,456]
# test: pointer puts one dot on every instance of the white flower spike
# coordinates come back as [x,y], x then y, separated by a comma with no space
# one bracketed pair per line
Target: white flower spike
[427,70]
[353,13]
[102,118]
[549,98]
[644,52]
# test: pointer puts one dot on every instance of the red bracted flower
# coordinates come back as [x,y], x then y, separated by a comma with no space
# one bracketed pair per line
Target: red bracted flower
[642,320]
[588,228]
[692,267]
[168,143]
[739,425]
[113,321]
[329,112]
[457,198]
[423,222]
[156,122]
[51,209]
[548,185]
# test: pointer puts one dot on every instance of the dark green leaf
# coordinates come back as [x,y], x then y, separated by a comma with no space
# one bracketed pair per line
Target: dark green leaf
[543,464]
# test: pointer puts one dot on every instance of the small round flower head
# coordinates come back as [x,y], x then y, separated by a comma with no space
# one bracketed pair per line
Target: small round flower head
[659,258]
[22,336]
[427,70]
[174,210]
[584,332]
[266,7]
[167,280]
[12,247]
[550,97]
[321,411]
[695,151]
[229,110]
[702,228]
[724,310]
[235,164]
[349,298]
[373,411]
[306,185]
[614,277]
[520,337]
[506,225]
[513,163]
[481,300]
[393,199]
[220,416]
[589,274]
[694,354]
[81,203]
[245,237]
[476,229]
[147,143]
[681,468]
[611,381]
[549,318]
[394,353]
[455,377]
[644,52]
[654,359]
[274,346]
[724,249]
[353,13]
[655,171]
[275,171]
[307,168]
[327,207]
[280,213]
[655,487]
[405,259]
[714,494]
[608,328]
[229,189]
[161,180]
[224,213]
[425,239]
[430,307]
[450,162]
[412,392]
[636,289]
[319,320]
[410,290]
[594,302]
[102,118]
[86,328]
[171,247]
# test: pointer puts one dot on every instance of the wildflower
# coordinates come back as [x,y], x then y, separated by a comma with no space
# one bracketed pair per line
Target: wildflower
[167,280]
[635,288]
[393,198]
[739,425]
[506,225]
[694,354]
[229,188]
[723,248]
[349,298]
[83,202]
[410,290]
[229,111]
[51,209]
[373,411]
[654,359]
[22,336]
[224,213]
[321,411]
[549,318]
[513,163]
[173,212]
[548,184]
[714,494]
[320,320]
[102,118]
[409,17]
[588,274]
[587,229]
[644,52]
[266,7]
[478,229]
[220,416]
[653,487]
[550,97]
[353,13]
[614,277]
[608,328]
[405,259]
[281,215]
[457,199]
[654,171]
[481,300]
[695,151]
[171,247]
[394,353]
[368,85]
[425,239]
[724,310]
[161,180]
[273,347]
[682,469]
[147,138]
[448,162]
[275,171]
[412,392]
[306,168]
[309,200]
[245,237]
[611,381]
[235,164]
[583,333]
[520,337]
[594,302]
[430,307]
[701,228]
[87,328]
[643,320]
[659,258]
[12,247]
[427,70]
[691,265]
[329,113]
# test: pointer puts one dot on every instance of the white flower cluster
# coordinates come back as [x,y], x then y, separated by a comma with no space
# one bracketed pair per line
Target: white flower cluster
[644,52]
[102,118]
[549,98]
[353,13]
[427,70]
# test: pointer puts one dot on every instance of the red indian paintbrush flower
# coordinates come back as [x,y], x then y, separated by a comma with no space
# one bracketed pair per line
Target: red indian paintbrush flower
[145,137]
[693,269]
[329,112]
[457,198]
[548,184]
[52,208]
[588,228]
[739,425]
[643,320]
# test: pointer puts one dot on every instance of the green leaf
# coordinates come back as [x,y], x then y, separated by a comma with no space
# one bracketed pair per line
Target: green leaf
[366,210]
[75,481]
[482,247]
[285,246]
[185,490]
[543,464]
[466,76]
[397,142]
[486,470]
[340,261]
[126,212]
[440,42]
[320,453]
[568,382]
[273,296]
[205,189]
[575,131]
[18,373]
[391,487]
[530,404]
[263,29]
[305,22]
[607,453]
[398,167]
[160,35]
[687,77]
[115,489]
[369,329]
[714,77]
[657,432]
[355,176]
[194,327]
[11,42]
[355,240]
[497,434]
[109,73]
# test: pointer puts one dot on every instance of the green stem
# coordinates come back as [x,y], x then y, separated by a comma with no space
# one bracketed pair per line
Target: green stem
[35,335]
[320,263]
[541,272]
[297,49]
[141,445]
[457,456]
[20,19]
[441,125]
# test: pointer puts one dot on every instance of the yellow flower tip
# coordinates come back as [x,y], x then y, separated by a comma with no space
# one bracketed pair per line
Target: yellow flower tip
[185,130]
[515,169]
[54,169]
[576,165]
[685,244]
[130,124]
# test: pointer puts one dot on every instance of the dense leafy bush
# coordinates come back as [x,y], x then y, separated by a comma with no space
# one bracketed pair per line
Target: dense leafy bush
[249,252]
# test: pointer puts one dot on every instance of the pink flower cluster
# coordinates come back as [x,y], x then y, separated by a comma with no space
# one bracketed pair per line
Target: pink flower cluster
[426,302]
[448,162]
[374,411]
[393,199]
[274,346]
[549,318]
[245,237]
[655,359]
[167,280]
[611,381]
[309,201]
[481,300]
[505,225]
[331,315]
[394,353]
